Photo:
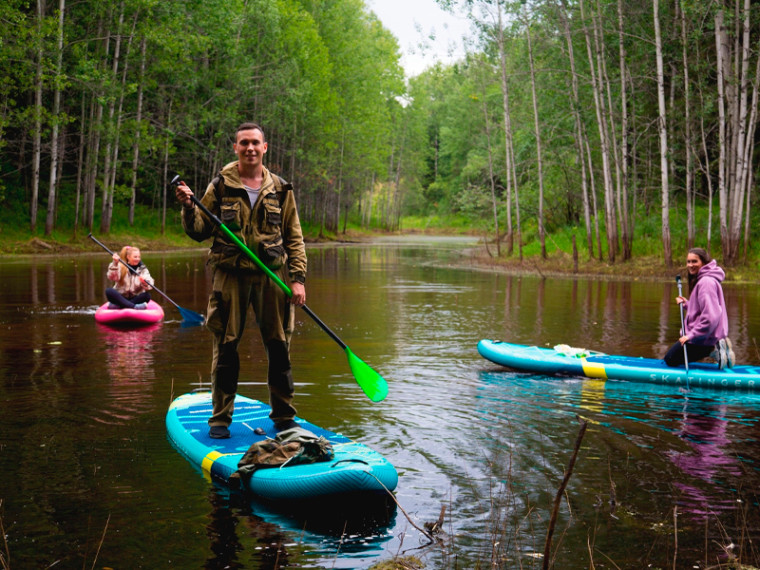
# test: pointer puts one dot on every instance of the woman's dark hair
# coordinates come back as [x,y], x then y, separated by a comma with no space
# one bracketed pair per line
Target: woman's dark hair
[704,257]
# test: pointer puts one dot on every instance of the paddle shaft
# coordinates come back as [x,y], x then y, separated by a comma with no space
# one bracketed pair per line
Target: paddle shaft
[266,270]
[683,330]
[133,270]
[374,385]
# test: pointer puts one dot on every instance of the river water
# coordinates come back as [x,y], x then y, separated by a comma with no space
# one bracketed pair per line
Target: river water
[663,478]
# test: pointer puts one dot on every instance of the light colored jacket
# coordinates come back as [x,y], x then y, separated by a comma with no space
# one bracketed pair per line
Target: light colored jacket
[130,285]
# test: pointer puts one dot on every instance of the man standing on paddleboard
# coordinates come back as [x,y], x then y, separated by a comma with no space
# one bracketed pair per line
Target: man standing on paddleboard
[259,207]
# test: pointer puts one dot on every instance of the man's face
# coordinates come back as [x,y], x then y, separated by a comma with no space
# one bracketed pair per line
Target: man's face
[250,147]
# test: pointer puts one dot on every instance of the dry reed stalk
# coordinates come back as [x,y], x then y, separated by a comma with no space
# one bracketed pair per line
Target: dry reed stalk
[561,491]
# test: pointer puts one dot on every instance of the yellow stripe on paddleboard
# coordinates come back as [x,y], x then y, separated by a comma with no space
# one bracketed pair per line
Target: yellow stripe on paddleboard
[208,461]
[593,369]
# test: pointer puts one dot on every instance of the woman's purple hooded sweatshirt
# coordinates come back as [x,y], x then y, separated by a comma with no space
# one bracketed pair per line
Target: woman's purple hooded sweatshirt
[706,321]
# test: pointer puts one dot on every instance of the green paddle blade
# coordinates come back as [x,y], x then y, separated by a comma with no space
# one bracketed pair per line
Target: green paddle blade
[370,381]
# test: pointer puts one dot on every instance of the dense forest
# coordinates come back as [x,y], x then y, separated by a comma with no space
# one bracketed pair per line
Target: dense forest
[618,119]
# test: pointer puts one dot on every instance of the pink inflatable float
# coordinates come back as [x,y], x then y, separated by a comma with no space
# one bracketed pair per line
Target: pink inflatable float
[151,314]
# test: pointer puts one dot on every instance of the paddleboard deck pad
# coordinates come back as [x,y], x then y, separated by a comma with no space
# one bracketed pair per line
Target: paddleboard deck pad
[568,361]
[151,314]
[355,468]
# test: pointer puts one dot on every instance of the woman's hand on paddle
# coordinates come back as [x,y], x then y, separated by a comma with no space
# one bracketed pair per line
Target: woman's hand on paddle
[680,300]
[299,294]
[684,339]
[183,193]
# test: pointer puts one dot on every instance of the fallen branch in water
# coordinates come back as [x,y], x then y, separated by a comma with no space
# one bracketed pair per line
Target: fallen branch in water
[561,491]
[5,554]
[102,540]
[411,522]
[435,527]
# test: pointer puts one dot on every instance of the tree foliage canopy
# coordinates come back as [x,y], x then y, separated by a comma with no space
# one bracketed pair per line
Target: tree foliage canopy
[588,114]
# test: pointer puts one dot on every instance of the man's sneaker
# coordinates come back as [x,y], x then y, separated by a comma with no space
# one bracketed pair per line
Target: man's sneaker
[141,306]
[730,356]
[219,432]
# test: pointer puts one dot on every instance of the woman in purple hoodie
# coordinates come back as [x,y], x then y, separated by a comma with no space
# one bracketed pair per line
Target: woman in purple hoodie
[705,327]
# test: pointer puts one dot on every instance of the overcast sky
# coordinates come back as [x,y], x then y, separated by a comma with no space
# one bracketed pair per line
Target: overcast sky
[414,22]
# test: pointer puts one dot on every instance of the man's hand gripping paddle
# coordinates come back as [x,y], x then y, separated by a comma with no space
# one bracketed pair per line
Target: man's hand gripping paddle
[374,385]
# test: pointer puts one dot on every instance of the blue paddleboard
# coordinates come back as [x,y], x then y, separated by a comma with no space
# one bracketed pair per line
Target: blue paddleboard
[564,360]
[354,469]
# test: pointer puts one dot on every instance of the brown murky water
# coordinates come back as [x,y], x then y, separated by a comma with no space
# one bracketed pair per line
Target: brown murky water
[88,475]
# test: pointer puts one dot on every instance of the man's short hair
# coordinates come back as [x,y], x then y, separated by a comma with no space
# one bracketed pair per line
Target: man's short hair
[250,127]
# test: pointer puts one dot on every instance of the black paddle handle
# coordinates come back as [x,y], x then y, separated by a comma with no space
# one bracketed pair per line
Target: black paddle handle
[324,327]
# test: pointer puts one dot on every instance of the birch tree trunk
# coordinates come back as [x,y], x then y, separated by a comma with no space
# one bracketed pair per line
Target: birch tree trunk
[517,201]
[600,254]
[612,191]
[539,158]
[385,209]
[633,178]
[80,162]
[96,126]
[37,133]
[107,205]
[662,129]
[721,51]
[500,40]
[748,153]
[603,141]
[370,201]
[688,136]
[339,195]
[138,131]
[166,165]
[739,187]
[494,202]
[51,207]
[708,175]
[625,213]
[117,128]
[747,225]
[93,154]
[293,153]
[396,202]
[579,127]
[702,159]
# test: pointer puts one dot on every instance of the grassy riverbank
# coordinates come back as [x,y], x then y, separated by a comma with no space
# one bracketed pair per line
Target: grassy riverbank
[647,262]
[559,262]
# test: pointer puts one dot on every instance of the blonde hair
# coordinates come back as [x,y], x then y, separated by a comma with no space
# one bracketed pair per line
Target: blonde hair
[124,255]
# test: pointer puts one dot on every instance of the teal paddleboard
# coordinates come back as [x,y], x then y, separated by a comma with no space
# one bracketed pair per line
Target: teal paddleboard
[354,469]
[568,361]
